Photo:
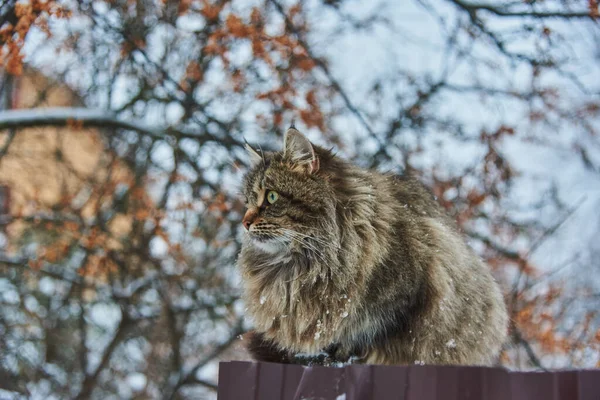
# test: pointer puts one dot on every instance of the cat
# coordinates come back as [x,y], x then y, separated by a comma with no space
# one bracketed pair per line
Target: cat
[341,263]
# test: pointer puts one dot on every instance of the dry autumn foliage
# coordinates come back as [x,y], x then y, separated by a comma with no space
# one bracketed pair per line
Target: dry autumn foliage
[117,261]
[17,23]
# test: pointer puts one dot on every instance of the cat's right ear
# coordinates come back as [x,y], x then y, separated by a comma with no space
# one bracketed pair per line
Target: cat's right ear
[255,158]
[300,150]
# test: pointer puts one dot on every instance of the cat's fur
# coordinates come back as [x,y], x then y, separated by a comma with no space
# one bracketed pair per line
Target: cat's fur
[355,263]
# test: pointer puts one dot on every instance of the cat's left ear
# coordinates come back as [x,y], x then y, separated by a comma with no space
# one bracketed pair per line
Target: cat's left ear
[300,150]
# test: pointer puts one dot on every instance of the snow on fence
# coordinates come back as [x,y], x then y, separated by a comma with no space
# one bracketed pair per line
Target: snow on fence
[267,381]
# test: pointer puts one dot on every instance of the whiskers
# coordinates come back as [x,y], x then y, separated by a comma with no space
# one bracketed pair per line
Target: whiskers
[315,245]
[335,247]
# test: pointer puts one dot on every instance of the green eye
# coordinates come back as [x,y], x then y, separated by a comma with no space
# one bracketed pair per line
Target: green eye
[272,196]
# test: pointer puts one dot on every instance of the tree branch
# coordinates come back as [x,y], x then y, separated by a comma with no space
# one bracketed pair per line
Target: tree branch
[7,13]
[24,263]
[186,378]
[196,381]
[503,12]
[63,116]
[90,380]
[518,337]
[9,139]
[506,252]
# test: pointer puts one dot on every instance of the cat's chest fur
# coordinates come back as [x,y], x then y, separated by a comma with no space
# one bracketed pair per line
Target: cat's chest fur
[300,314]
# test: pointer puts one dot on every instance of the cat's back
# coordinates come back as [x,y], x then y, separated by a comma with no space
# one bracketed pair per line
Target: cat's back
[416,198]
[438,298]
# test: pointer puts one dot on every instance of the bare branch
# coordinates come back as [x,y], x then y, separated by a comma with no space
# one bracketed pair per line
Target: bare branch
[506,252]
[186,378]
[9,139]
[90,380]
[504,12]
[53,273]
[552,230]
[7,13]
[63,116]
[535,360]
[60,116]
[197,381]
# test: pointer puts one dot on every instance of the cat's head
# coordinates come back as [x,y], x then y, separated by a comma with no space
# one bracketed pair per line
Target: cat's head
[289,199]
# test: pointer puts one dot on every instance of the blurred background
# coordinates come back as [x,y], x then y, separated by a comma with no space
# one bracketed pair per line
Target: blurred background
[122,125]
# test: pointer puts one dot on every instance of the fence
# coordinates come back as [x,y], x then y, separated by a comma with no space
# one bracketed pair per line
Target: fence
[267,381]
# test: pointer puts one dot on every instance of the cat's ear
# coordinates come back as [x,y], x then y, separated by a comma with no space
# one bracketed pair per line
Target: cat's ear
[255,158]
[300,150]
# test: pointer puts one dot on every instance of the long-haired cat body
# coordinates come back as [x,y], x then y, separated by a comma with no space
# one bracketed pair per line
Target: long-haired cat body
[361,265]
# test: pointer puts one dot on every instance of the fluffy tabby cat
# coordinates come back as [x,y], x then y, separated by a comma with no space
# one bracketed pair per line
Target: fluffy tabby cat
[355,264]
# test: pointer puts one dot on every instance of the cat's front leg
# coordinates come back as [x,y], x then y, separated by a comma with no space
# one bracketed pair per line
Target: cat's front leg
[263,349]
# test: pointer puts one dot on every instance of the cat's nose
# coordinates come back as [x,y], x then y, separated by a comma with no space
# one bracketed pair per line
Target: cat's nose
[249,218]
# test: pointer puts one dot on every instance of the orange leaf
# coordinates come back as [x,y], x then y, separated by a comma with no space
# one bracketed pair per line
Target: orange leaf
[142,214]
[211,11]
[305,63]
[193,71]
[593,6]
[311,98]
[236,26]
[474,198]
[183,7]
